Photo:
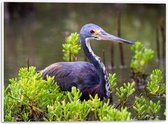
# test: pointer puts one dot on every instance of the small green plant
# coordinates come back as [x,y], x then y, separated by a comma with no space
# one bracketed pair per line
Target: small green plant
[110,113]
[71,47]
[141,57]
[145,109]
[68,111]
[140,107]
[9,117]
[74,95]
[154,109]
[112,79]
[124,92]
[28,95]
[154,85]
[96,104]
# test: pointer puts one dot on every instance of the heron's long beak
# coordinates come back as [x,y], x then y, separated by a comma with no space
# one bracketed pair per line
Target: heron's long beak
[106,36]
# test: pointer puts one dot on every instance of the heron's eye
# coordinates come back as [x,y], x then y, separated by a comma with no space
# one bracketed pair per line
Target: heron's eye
[92,31]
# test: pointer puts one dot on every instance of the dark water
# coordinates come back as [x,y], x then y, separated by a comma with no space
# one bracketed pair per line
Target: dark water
[37,32]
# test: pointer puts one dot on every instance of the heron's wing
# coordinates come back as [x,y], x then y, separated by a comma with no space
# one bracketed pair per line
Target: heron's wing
[60,75]
[68,74]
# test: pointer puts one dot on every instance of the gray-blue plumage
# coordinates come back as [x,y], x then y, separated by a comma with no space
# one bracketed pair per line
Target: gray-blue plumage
[69,74]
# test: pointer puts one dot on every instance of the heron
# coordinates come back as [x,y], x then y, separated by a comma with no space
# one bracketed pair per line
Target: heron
[90,78]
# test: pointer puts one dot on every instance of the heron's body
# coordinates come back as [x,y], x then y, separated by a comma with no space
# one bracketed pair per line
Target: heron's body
[82,75]
[91,78]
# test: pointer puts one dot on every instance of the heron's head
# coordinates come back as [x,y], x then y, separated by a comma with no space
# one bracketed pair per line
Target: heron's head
[92,31]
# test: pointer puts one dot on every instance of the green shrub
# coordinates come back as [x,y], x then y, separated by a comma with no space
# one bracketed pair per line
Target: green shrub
[124,92]
[30,98]
[141,57]
[146,109]
[71,47]
[140,107]
[110,113]
[154,109]
[154,85]
[29,95]
[112,80]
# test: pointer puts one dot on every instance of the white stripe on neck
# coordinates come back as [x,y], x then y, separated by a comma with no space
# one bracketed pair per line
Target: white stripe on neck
[107,85]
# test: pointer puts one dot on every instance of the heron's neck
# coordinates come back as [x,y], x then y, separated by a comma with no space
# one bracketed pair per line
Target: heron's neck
[96,61]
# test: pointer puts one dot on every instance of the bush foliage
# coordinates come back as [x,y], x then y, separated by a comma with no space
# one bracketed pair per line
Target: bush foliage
[71,47]
[30,98]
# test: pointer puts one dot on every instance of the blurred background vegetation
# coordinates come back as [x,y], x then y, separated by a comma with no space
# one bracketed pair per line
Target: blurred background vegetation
[38,30]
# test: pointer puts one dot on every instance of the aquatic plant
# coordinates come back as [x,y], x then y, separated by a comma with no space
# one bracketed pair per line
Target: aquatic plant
[28,95]
[71,47]
[112,80]
[154,109]
[30,98]
[124,92]
[145,109]
[155,86]
[110,113]
[140,107]
[139,63]
[141,57]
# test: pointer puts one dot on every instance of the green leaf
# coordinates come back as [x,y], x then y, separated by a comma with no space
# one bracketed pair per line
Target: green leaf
[141,57]
[154,108]
[140,107]
[71,47]
[154,85]
[125,91]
